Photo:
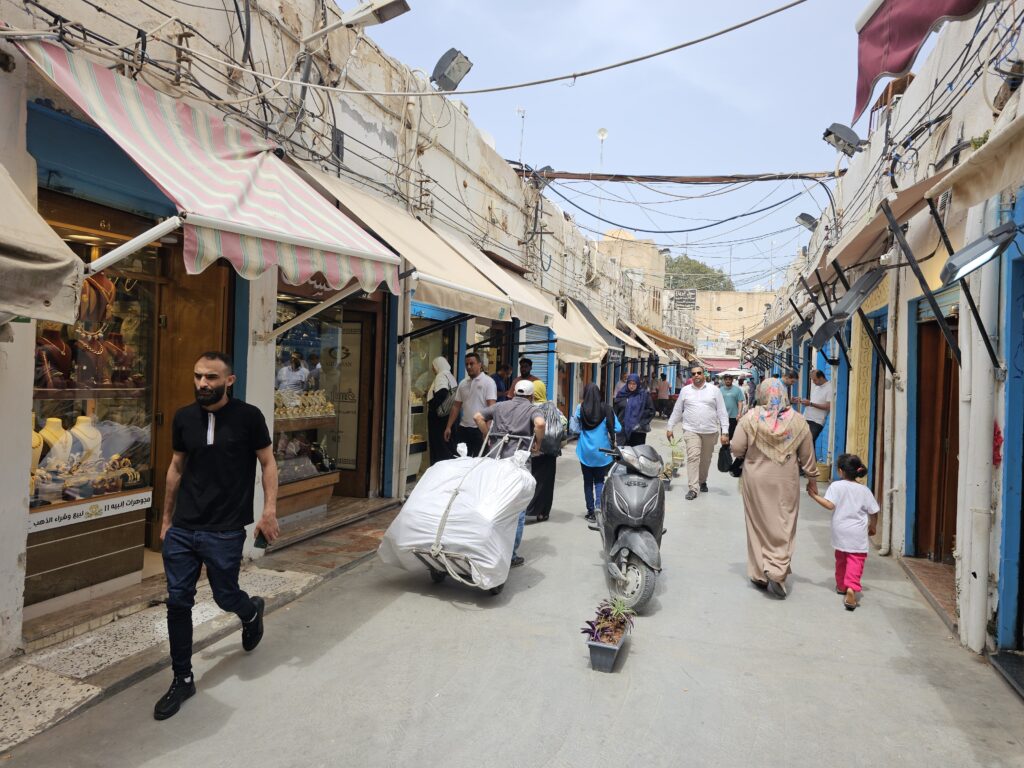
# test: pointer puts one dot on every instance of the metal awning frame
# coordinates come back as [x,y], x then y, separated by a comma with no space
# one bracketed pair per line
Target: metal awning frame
[869,329]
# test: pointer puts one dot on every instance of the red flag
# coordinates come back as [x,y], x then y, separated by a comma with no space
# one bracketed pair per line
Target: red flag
[891,32]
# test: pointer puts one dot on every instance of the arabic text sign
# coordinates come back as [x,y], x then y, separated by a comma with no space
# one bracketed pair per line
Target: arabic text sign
[89,509]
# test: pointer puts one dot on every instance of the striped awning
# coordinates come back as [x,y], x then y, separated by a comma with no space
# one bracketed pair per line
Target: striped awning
[238,199]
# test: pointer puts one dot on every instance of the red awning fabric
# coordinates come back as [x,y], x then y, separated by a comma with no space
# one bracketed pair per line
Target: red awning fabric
[891,32]
[721,363]
[239,200]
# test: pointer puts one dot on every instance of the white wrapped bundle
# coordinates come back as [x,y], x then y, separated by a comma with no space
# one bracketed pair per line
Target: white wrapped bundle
[488,493]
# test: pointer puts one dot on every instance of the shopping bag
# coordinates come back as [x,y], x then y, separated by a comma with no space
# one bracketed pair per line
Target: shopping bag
[724,459]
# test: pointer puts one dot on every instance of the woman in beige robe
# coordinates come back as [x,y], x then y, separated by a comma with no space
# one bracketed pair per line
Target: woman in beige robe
[775,442]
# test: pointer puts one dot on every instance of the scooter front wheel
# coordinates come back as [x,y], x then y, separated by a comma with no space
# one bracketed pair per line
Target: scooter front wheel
[638,587]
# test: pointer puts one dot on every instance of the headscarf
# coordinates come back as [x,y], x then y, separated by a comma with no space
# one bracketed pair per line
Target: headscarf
[540,392]
[635,402]
[443,379]
[592,413]
[775,427]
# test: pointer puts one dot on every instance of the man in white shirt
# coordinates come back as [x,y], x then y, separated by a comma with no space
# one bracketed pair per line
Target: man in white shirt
[818,405]
[701,410]
[475,392]
[292,377]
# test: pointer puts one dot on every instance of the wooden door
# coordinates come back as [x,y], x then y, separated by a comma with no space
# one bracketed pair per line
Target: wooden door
[194,317]
[937,446]
[359,414]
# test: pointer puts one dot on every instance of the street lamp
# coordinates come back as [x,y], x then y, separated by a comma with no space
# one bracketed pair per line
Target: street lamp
[808,221]
[977,254]
[369,13]
[845,139]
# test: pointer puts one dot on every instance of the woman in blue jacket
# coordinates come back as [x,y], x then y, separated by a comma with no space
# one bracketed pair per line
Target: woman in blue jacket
[598,426]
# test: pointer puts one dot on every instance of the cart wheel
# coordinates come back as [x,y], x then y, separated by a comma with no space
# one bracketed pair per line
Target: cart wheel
[437,576]
[497,590]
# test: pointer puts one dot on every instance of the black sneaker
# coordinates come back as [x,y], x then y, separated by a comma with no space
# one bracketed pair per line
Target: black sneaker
[590,516]
[182,689]
[517,560]
[252,630]
[691,495]
[703,487]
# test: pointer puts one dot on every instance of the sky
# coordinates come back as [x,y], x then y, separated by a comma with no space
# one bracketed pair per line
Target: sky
[754,101]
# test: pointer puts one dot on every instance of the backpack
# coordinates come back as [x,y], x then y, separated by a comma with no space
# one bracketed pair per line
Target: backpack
[554,429]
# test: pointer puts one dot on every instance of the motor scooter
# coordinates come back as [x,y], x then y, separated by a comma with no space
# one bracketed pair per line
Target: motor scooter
[631,520]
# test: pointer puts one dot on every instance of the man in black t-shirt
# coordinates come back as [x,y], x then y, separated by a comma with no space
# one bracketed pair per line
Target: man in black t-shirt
[217,441]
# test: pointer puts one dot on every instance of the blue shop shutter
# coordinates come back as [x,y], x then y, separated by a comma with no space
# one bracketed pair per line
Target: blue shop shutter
[539,339]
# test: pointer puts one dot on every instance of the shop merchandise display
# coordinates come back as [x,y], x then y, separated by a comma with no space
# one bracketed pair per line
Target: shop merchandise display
[86,439]
[290,404]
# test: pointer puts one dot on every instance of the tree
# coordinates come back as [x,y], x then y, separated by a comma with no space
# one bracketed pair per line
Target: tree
[683,272]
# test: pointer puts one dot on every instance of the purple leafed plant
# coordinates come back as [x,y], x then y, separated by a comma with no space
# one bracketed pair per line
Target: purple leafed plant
[612,620]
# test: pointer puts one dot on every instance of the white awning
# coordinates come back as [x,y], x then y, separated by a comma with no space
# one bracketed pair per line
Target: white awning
[630,346]
[661,354]
[445,278]
[577,341]
[40,277]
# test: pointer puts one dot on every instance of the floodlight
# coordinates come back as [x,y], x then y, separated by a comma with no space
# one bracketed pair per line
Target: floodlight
[977,254]
[450,69]
[845,139]
[369,13]
[808,221]
[847,305]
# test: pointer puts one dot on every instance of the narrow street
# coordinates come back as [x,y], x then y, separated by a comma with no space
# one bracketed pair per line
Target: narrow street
[382,668]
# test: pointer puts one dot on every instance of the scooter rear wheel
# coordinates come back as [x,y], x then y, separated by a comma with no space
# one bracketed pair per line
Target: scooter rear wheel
[638,588]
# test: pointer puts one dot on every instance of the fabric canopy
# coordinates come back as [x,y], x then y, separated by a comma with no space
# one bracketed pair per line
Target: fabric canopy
[40,277]
[645,340]
[444,278]
[528,303]
[630,346]
[665,341]
[891,32]
[240,201]
[577,341]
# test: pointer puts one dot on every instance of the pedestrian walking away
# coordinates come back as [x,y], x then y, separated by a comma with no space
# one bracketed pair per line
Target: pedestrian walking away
[517,417]
[474,393]
[701,411]
[543,466]
[662,390]
[775,442]
[207,505]
[818,405]
[735,401]
[597,429]
[634,409]
[854,519]
[437,417]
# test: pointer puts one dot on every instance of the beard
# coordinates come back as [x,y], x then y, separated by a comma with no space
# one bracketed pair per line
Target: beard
[210,396]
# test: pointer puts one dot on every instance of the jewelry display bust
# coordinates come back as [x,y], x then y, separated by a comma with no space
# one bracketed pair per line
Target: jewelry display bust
[57,441]
[54,360]
[121,359]
[87,438]
[37,445]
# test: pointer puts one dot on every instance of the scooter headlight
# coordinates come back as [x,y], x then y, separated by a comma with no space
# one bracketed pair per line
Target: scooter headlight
[649,467]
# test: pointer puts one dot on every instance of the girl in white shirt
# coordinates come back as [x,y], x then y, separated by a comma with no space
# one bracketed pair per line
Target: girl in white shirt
[854,519]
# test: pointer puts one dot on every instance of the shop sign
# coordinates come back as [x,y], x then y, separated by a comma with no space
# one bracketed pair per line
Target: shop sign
[90,509]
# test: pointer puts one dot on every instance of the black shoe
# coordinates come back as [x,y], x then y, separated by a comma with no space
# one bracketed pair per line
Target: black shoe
[517,560]
[182,689]
[691,495]
[703,487]
[759,584]
[252,630]
[590,516]
[777,588]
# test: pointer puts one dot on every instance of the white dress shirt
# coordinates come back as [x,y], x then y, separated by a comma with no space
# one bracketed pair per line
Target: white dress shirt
[700,410]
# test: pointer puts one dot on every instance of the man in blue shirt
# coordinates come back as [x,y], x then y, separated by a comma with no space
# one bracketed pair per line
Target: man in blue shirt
[502,381]
[735,401]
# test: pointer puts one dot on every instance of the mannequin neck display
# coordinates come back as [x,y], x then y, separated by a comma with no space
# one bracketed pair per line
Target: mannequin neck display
[57,441]
[37,445]
[88,437]
[55,359]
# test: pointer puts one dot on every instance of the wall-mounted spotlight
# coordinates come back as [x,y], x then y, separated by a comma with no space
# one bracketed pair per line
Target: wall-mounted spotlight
[806,220]
[845,139]
[450,69]
[979,253]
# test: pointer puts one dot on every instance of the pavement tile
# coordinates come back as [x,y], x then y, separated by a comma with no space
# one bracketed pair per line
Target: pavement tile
[35,698]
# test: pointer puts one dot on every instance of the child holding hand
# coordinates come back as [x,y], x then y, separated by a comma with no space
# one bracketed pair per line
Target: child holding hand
[854,518]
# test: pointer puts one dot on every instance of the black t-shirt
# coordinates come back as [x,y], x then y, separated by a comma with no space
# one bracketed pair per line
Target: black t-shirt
[219,480]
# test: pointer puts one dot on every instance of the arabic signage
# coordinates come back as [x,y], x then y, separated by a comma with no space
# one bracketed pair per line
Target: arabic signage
[685,298]
[90,509]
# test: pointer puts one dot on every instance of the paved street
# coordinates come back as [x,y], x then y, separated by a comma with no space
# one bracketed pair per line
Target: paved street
[381,668]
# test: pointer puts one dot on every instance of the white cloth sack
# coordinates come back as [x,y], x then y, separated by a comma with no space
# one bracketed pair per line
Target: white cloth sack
[481,523]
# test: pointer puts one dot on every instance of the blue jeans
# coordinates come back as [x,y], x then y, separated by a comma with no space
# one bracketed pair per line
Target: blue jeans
[593,485]
[185,552]
[519,533]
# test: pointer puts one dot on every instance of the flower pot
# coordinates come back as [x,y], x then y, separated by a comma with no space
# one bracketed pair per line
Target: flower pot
[603,655]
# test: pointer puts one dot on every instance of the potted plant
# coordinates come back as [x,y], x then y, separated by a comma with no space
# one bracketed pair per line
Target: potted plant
[607,632]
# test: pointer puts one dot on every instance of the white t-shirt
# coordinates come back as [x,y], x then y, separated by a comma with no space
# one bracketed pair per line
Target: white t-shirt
[474,394]
[854,502]
[819,394]
[288,379]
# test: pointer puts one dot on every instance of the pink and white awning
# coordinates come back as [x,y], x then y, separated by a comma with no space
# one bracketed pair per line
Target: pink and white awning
[238,199]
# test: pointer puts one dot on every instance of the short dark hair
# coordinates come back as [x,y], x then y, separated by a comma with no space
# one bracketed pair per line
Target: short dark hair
[473,355]
[504,367]
[222,356]
[526,361]
[789,373]
[663,377]
[818,372]
[728,376]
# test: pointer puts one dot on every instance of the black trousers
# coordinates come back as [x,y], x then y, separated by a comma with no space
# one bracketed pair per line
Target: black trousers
[543,470]
[471,436]
[815,428]
[732,427]
[637,438]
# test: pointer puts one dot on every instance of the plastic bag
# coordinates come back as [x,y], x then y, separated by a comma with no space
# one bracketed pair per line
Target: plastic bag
[481,521]
[724,459]
[554,429]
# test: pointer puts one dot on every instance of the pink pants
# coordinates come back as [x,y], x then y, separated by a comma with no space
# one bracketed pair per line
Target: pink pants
[849,569]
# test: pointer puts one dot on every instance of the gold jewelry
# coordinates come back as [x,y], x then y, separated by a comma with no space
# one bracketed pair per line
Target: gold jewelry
[85,345]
